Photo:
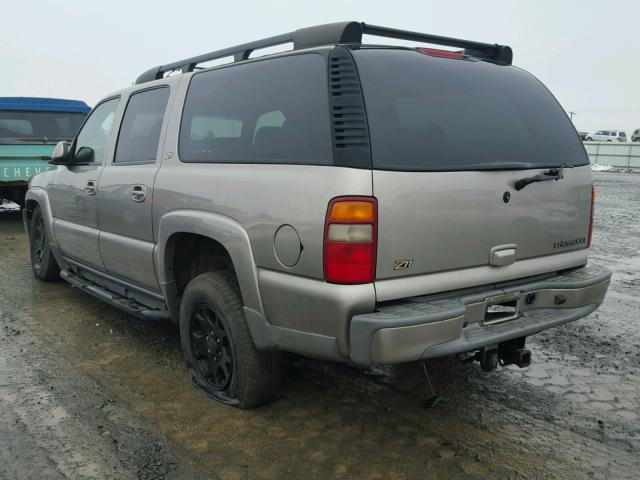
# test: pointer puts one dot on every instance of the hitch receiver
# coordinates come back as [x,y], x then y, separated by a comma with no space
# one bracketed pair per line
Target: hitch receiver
[511,352]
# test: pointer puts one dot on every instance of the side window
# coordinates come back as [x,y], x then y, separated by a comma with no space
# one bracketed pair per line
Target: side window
[141,126]
[92,140]
[267,111]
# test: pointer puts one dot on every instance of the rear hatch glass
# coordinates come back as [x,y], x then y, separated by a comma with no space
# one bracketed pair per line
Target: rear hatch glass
[438,114]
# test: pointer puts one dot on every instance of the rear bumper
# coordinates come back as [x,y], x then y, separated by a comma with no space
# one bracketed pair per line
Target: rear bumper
[427,327]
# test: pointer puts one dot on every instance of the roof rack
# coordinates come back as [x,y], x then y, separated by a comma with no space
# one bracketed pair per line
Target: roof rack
[332,34]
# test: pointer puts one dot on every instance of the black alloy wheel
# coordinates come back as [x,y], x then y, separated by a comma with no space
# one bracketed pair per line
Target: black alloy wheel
[211,346]
[39,242]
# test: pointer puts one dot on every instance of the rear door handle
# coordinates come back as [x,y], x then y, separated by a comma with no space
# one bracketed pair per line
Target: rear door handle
[138,193]
[90,187]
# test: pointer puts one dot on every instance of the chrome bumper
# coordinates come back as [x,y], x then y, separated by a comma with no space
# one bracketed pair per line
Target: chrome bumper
[427,327]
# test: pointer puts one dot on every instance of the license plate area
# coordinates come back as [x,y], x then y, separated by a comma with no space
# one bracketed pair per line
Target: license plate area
[501,308]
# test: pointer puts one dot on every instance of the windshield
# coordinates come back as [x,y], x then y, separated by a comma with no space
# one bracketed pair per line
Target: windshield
[437,114]
[38,127]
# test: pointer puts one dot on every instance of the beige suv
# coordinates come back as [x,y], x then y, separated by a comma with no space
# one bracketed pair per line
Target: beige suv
[636,135]
[261,207]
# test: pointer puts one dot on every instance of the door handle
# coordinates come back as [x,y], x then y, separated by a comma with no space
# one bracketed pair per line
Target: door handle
[138,193]
[90,187]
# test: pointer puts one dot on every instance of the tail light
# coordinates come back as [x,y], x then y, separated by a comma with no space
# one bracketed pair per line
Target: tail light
[593,203]
[350,240]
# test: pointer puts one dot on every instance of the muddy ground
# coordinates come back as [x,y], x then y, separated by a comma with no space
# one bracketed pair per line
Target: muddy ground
[89,392]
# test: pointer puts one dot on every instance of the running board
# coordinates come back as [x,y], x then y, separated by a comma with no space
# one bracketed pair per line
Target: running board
[128,305]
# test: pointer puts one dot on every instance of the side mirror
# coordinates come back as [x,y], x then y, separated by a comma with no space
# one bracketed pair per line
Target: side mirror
[60,155]
[84,156]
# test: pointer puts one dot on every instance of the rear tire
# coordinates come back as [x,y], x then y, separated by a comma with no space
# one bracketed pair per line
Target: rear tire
[589,139]
[43,263]
[218,347]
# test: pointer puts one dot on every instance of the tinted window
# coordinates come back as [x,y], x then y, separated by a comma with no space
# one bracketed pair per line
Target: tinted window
[622,134]
[268,111]
[38,127]
[141,127]
[428,113]
[96,131]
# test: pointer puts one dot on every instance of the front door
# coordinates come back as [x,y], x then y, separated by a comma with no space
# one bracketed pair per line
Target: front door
[126,190]
[73,195]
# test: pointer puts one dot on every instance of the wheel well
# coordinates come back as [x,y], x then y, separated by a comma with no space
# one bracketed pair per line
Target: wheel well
[193,254]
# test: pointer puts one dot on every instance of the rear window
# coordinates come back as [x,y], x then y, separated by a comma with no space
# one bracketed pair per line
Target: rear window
[268,111]
[38,127]
[437,114]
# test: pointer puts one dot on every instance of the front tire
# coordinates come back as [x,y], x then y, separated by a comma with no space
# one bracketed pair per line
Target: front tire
[217,344]
[43,263]
[589,139]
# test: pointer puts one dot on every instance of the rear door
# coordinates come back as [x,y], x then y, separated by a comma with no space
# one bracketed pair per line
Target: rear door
[126,189]
[450,138]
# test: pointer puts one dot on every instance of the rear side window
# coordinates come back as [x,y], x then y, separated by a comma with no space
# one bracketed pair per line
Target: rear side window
[141,126]
[622,134]
[268,111]
[437,114]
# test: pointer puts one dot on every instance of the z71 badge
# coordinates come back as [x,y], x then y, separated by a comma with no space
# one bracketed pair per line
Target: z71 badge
[402,264]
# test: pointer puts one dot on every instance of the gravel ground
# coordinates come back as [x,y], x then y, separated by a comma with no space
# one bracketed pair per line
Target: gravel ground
[89,392]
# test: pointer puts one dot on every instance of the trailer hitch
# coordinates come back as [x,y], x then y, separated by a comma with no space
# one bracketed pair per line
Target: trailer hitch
[510,352]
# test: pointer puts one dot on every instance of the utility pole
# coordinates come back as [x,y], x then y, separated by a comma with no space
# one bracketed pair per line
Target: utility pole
[571,114]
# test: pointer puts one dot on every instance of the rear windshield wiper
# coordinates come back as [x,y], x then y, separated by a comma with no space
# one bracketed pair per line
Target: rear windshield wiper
[552,174]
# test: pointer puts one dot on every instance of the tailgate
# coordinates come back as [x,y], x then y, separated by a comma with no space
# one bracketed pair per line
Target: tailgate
[18,163]
[439,221]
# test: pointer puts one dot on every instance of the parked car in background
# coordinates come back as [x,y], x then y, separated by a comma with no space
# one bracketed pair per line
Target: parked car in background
[30,128]
[262,208]
[608,136]
[636,135]
[583,135]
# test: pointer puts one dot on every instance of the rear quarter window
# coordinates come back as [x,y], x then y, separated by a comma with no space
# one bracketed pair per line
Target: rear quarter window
[268,111]
[427,113]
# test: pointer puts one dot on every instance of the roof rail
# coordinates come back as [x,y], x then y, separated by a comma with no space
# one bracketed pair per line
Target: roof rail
[331,34]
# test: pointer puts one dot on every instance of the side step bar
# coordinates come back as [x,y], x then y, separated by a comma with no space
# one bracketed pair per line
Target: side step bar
[128,305]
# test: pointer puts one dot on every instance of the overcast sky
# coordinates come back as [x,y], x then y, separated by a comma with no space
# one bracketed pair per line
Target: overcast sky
[586,52]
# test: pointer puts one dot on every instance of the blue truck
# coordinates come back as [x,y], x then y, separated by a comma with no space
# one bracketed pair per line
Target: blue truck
[30,127]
